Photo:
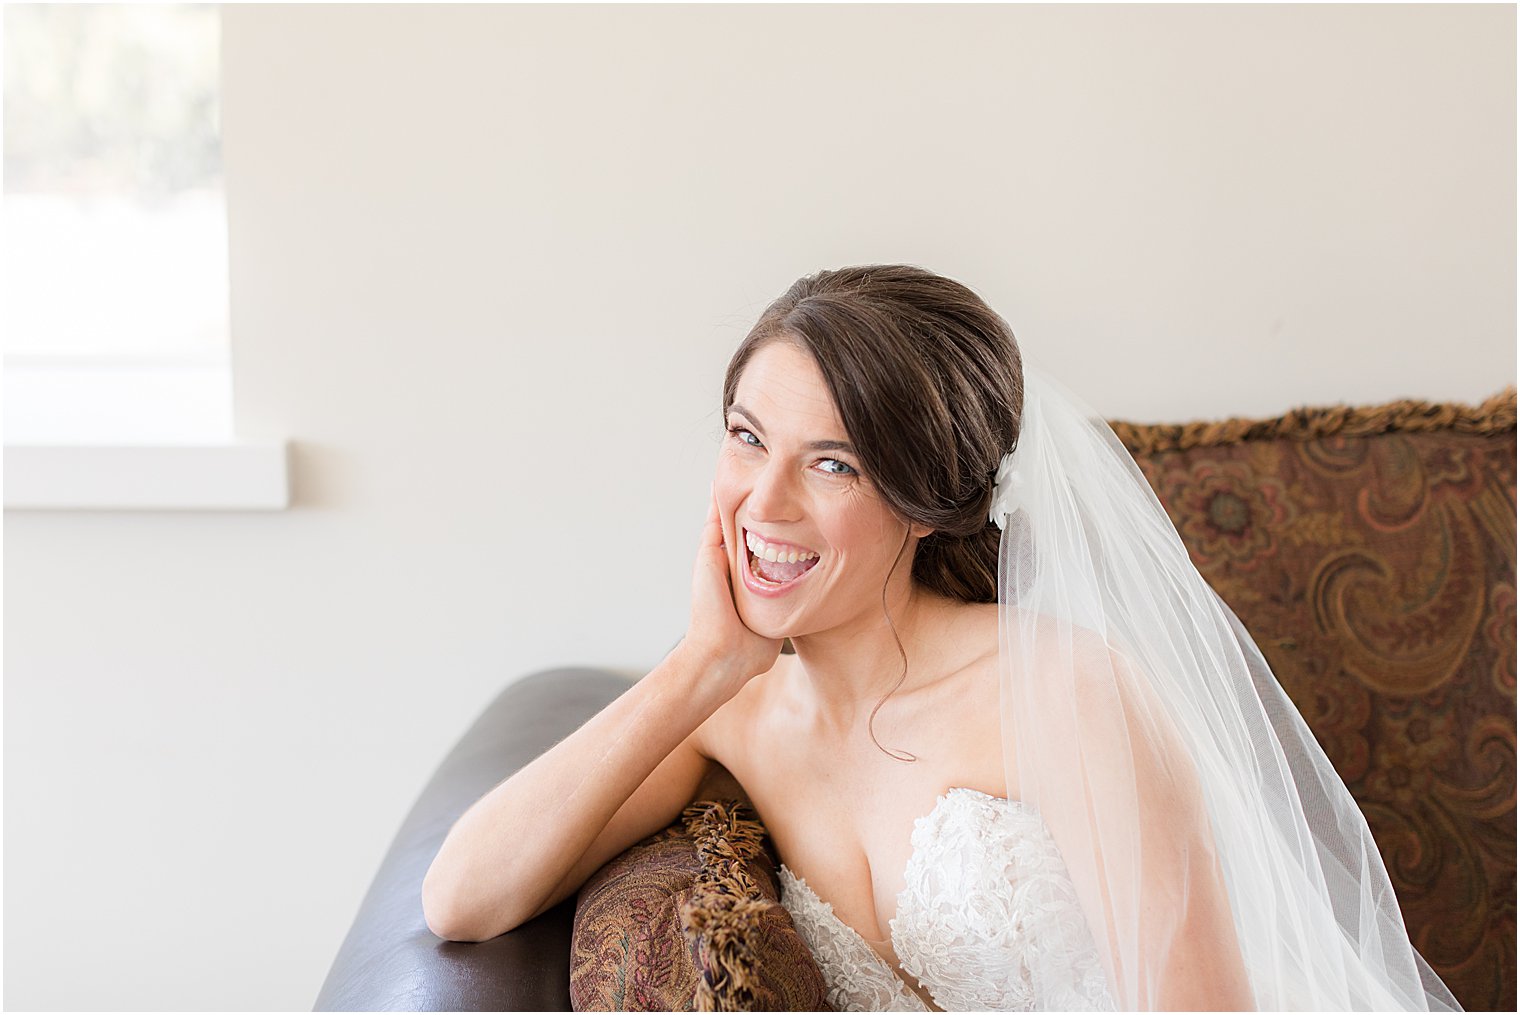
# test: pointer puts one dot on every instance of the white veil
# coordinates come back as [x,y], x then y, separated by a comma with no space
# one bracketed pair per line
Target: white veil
[1218,857]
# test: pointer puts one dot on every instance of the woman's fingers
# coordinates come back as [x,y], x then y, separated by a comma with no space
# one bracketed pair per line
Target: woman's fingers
[717,630]
[714,533]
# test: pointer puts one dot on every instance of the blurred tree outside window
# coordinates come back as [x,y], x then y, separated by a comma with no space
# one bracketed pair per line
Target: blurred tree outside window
[113,217]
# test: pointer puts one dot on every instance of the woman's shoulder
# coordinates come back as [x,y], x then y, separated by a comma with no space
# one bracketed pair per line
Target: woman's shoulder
[981,621]
[972,696]
[977,634]
[971,639]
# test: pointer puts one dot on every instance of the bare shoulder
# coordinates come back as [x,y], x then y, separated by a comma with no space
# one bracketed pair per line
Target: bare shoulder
[980,635]
[976,699]
[1054,635]
[982,619]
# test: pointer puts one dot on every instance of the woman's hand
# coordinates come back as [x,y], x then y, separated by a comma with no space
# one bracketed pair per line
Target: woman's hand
[717,636]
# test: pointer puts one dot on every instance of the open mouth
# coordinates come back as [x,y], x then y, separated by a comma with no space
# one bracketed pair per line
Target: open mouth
[778,573]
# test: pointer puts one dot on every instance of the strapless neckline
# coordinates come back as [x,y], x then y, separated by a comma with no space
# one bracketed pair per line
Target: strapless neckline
[828,907]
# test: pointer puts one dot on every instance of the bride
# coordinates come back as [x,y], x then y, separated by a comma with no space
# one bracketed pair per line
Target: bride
[1021,755]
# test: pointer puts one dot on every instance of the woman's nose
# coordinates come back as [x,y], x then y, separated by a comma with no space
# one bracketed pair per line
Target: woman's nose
[773,496]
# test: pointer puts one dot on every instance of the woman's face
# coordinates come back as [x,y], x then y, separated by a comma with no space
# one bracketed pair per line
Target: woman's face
[772,480]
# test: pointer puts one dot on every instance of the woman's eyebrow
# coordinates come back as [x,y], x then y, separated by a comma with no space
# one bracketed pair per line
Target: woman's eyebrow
[814,446]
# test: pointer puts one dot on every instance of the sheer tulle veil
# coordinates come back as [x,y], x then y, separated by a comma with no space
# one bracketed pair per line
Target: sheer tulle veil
[1210,842]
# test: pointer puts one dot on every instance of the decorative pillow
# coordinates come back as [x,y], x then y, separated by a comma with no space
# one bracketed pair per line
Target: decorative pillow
[690,919]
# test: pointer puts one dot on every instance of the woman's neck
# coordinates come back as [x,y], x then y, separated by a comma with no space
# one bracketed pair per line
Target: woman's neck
[847,669]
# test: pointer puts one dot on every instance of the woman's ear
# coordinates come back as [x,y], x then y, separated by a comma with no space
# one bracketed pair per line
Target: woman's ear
[919,531]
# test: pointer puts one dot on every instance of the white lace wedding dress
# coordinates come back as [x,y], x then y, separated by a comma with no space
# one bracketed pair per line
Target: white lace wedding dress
[989,920]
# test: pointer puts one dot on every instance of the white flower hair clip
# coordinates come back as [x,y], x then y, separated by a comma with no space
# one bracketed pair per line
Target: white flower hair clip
[1005,491]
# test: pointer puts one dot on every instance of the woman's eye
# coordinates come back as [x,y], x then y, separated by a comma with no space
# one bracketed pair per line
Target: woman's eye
[740,433]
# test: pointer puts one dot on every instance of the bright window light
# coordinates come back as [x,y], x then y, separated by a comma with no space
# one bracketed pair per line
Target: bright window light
[114,223]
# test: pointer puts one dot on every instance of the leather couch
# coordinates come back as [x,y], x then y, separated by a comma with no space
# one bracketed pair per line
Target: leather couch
[390,960]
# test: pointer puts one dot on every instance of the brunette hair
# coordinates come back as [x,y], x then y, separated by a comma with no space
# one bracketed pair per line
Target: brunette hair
[929,385]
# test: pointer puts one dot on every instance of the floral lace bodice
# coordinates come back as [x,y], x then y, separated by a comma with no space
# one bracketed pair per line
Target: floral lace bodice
[989,920]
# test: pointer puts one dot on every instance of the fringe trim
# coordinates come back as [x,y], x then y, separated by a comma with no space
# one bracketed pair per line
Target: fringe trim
[1495,415]
[722,919]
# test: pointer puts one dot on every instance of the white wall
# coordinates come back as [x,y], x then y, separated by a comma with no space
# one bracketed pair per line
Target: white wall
[487,266]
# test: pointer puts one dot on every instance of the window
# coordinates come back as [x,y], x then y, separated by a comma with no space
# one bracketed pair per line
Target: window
[113,184]
[115,316]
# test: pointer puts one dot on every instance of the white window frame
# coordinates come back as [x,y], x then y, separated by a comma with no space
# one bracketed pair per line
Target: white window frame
[131,433]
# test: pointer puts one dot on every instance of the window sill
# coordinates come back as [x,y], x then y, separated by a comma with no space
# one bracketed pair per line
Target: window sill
[101,436]
[227,476]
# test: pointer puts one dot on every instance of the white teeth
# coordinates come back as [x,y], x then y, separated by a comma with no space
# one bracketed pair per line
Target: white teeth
[771,553]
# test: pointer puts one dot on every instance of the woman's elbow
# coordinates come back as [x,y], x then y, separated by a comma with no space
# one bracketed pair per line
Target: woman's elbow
[437,916]
[1207,971]
[442,913]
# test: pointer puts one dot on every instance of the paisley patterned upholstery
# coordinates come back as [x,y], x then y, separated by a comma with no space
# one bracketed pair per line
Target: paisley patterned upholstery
[1371,554]
[690,919]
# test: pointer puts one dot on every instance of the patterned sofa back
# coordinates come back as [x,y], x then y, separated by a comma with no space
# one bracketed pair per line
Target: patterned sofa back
[1371,554]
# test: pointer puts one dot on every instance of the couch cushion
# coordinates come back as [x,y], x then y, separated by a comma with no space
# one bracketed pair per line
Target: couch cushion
[690,920]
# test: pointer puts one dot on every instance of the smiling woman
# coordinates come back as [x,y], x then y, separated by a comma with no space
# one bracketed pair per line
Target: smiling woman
[1094,794]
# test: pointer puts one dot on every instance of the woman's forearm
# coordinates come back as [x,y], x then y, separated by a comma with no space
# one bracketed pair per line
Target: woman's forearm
[512,848]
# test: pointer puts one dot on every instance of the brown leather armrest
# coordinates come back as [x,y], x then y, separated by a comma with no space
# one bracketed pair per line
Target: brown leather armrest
[390,960]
